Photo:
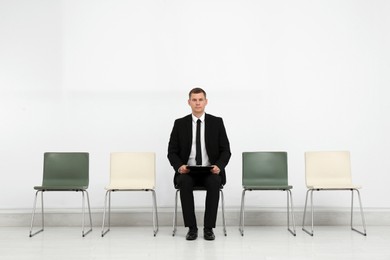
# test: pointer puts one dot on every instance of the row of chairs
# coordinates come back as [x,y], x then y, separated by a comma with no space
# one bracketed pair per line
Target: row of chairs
[324,171]
[70,172]
[136,172]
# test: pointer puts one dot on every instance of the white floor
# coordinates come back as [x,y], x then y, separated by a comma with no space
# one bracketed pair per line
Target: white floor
[271,243]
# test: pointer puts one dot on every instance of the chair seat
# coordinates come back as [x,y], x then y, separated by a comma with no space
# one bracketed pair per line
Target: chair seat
[257,187]
[60,188]
[128,187]
[334,187]
[133,184]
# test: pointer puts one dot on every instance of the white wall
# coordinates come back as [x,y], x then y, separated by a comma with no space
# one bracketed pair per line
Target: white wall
[103,76]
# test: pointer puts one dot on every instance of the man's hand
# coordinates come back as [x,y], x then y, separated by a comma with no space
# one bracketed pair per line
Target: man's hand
[215,169]
[183,169]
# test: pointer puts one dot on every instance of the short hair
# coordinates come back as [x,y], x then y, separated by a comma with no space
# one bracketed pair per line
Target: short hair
[196,90]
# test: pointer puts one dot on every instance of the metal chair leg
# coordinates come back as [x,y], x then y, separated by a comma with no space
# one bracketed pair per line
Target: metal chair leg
[107,197]
[290,201]
[89,210]
[223,212]
[175,215]
[312,214]
[155,216]
[364,232]
[242,214]
[33,215]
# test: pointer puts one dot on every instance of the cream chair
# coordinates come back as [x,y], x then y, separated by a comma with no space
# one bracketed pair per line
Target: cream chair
[131,172]
[329,171]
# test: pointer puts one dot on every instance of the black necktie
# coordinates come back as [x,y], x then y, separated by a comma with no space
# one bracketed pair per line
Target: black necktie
[198,156]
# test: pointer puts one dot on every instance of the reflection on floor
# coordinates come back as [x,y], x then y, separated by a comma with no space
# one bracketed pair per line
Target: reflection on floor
[271,243]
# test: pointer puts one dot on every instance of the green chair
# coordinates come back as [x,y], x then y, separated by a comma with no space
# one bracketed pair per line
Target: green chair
[266,171]
[64,172]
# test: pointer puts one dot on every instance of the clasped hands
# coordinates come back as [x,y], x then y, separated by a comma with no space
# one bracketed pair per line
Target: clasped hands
[184,170]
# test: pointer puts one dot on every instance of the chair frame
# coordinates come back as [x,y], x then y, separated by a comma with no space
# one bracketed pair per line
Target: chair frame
[108,196]
[311,191]
[197,188]
[290,214]
[83,192]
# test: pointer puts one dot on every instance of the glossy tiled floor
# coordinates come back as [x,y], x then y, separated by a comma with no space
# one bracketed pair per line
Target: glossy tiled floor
[271,243]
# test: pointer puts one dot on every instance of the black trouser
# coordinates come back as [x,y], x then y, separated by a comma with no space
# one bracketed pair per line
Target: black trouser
[186,183]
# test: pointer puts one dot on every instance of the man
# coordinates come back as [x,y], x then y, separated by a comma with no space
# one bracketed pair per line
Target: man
[199,139]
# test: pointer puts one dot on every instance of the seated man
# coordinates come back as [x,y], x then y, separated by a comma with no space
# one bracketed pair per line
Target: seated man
[199,139]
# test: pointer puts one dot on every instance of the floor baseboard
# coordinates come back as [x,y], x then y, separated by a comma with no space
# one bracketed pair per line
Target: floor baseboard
[143,217]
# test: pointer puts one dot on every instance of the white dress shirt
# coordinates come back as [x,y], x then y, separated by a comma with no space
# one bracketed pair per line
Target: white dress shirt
[205,157]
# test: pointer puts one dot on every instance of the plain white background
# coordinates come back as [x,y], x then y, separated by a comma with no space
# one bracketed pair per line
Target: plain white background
[106,76]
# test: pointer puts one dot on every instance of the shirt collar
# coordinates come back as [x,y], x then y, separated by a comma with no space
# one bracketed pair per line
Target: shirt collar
[194,118]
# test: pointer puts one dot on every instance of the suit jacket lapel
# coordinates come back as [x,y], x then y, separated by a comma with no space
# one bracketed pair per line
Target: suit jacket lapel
[189,133]
[206,130]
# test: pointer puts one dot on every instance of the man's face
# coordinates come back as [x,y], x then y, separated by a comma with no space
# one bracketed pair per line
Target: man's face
[197,103]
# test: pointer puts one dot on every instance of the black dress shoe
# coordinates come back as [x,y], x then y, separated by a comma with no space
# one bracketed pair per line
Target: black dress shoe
[208,234]
[192,234]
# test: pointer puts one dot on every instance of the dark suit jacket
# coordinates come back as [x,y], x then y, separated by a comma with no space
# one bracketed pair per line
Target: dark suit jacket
[217,143]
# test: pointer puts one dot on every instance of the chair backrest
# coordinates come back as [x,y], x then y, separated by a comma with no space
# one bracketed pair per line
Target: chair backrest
[264,169]
[328,169]
[133,170]
[66,169]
